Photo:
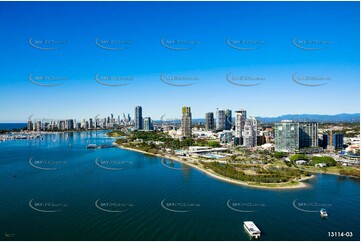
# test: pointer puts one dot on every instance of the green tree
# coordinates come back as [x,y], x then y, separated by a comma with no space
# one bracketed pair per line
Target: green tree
[187,142]
[297,157]
[323,159]
[213,144]
[279,154]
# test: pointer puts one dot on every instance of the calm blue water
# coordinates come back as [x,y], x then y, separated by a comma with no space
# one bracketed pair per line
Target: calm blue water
[10,126]
[56,189]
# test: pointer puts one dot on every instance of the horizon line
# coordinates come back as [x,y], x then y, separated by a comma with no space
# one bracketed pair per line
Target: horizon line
[1,122]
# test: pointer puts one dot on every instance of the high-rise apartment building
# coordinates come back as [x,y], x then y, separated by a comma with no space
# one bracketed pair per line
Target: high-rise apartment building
[308,134]
[30,125]
[186,122]
[229,121]
[148,124]
[286,136]
[220,120]
[336,142]
[250,132]
[138,118]
[209,121]
[239,123]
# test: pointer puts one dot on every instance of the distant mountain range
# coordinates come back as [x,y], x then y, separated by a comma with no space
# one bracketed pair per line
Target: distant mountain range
[342,117]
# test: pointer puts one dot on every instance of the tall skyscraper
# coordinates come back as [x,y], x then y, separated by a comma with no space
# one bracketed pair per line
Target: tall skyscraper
[287,136]
[332,140]
[148,124]
[220,120]
[209,121]
[250,132]
[138,118]
[241,116]
[111,123]
[337,140]
[30,125]
[69,124]
[62,125]
[228,119]
[96,122]
[104,123]
[324,142]
[308,134]
[82,125]
[186,122]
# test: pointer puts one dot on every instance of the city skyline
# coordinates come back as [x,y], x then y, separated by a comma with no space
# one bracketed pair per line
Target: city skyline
[165,118]
[146,69]
[289,135]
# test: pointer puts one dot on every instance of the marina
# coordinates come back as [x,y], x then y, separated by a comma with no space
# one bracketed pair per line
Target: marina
[26,135]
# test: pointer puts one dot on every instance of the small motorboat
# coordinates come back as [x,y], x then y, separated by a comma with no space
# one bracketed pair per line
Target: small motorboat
[91,146]
[252,229]
[323,213]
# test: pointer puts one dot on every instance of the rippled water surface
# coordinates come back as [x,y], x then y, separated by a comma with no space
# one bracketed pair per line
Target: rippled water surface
[56,189]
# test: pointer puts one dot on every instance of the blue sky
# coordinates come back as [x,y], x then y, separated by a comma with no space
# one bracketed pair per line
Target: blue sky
[276,59]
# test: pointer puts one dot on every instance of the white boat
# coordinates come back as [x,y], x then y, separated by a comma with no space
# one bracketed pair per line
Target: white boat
[323,213]
[91,146]
[252,229]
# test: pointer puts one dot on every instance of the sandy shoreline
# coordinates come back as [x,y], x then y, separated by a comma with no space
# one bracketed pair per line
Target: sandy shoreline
[222,178]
